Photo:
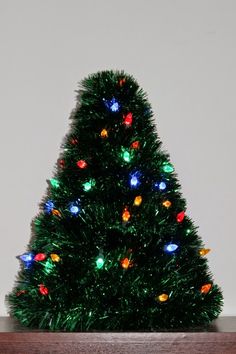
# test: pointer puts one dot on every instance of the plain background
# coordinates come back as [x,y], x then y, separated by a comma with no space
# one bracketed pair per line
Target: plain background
[183,53]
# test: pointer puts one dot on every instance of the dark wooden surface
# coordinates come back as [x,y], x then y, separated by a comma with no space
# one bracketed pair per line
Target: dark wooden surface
[218,338]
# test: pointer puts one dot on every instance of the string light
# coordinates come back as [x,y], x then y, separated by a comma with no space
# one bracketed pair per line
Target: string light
[126,156]
[162,297]
[204,251]
[128,119]
[61,163]
[138,200]
[135,144]
[74,207]
[180,216]
[82,164]
[48,266]
[122,82]
[37,222]
[167,167]
[27,259]
[126,215]
[74,141]
[206,288]
[88,185]
[166,203]
[104,133]
[162,186]
[126,263]
[54,183]
[40,257]
[113,105]
[20,292]
[171,247]
[134,180]
[56,212]
[48,206]
[43,289]
[100,262]
[55,257]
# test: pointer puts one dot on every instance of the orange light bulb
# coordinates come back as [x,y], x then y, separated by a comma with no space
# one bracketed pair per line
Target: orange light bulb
[166,203]
[206,288]
[204,251]
[126,263]
[56,212]
[126,215]
[162,297]
[104,133]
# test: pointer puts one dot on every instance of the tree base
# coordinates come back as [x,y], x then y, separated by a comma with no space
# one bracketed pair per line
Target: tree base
[218,338]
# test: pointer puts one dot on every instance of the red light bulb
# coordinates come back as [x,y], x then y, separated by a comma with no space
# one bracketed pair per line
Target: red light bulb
[82,164]
[40,257]
[74,141]
[43,289]
[122,82]
[128,119]
[61,163]
[180,216]
[135,145]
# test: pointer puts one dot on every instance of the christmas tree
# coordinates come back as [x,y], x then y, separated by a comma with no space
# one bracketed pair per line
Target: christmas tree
[112,247]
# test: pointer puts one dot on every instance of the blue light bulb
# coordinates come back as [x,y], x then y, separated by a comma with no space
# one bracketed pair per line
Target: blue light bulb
[162,186]
[112,104]
[48,206]
[27,259]
[115,107]
[134,180]
[74,207]
[171,247]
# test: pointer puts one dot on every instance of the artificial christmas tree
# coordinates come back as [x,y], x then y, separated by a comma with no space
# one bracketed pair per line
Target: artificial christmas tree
[112,247]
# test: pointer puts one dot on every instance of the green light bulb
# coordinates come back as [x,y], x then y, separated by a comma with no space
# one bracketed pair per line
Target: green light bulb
[126,156]
[54,183]
[168,168]
[99,262]
[48,267]
[88,185]
[37,222]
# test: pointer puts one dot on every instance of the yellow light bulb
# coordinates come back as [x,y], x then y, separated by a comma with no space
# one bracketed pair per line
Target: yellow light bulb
[138,200]
[55,257]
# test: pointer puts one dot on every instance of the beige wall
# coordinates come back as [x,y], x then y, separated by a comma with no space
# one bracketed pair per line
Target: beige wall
[183,53]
